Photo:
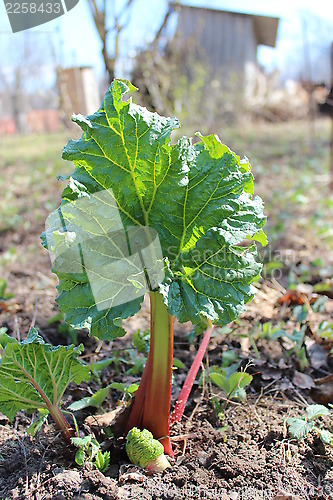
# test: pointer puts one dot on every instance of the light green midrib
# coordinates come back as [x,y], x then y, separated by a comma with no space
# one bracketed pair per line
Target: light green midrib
[145,211]
[33,382]
[132,167]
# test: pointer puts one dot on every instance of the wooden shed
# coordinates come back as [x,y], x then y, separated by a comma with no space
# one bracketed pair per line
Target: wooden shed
[225,41]
[78,90]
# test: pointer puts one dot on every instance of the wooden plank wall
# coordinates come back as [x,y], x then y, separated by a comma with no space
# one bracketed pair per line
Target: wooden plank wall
[223,39]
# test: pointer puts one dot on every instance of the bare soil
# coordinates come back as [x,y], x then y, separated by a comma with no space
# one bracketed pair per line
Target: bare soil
[252,459]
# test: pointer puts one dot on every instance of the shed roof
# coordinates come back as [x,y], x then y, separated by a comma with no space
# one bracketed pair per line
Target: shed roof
[265,25]
[266,29]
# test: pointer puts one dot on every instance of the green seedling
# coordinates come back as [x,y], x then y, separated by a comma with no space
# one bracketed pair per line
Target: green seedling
[229,358]
[323,286]
[95,400]
[219,414]
[298,340]
[132,357]
[300,313]
[127,391]
[38,422]
[178,364]
[96,367]
[136,362]
[3,294]
[325,331]
[300,427]
[89,450]
[233,385]
[320,304]
[141,341]
[263,331]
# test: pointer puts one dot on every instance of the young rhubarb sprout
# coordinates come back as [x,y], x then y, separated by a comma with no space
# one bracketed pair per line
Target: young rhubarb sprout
[145,451]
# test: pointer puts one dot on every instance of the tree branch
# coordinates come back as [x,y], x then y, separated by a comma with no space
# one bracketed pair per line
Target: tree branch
[99,16]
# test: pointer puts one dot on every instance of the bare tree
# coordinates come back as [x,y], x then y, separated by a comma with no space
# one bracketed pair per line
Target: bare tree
[306,55]
[21,77]
[110,23]
[102,17]
[14,78]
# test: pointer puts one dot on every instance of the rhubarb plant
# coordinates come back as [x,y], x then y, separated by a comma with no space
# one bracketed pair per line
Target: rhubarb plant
[34,376]
[141,214]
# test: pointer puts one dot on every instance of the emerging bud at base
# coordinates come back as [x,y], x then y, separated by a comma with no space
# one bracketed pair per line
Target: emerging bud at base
[145,451]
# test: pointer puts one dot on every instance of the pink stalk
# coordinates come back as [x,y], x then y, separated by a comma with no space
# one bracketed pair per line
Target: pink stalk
[185,392]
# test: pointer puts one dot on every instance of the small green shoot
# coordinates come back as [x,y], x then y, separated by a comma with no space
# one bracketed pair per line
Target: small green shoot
[99,397]
[96,367]
[89,450]
[320,304]
[298,346]
[127,391]
[300,313]
[300,427]
[219,413]
[141,341]
[325,330]
[234,385]
[3,294]
[263,331]
[38,422]
[138,355]
[94,400]
[102,460]
[178,364]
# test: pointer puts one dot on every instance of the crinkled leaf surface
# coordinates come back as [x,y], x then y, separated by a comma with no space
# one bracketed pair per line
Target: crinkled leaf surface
[315,411]
[298,427]
[198,198]
[32,373]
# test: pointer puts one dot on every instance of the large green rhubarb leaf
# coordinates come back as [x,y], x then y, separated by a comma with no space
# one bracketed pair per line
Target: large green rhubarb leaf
[139,212]
[35,375]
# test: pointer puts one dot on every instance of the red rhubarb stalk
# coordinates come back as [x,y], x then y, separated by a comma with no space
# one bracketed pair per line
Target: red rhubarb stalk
[151,407]
[185,392]
[62,423]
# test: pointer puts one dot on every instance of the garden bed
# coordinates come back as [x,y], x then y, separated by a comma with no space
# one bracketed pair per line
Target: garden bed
[246,451]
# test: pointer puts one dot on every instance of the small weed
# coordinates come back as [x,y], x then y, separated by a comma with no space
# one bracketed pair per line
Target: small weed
[233,385]
[3,294]
[296,343]
[300,427]
[89,450]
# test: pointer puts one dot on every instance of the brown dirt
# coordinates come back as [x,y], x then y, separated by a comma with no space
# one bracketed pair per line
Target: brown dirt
[253,459]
